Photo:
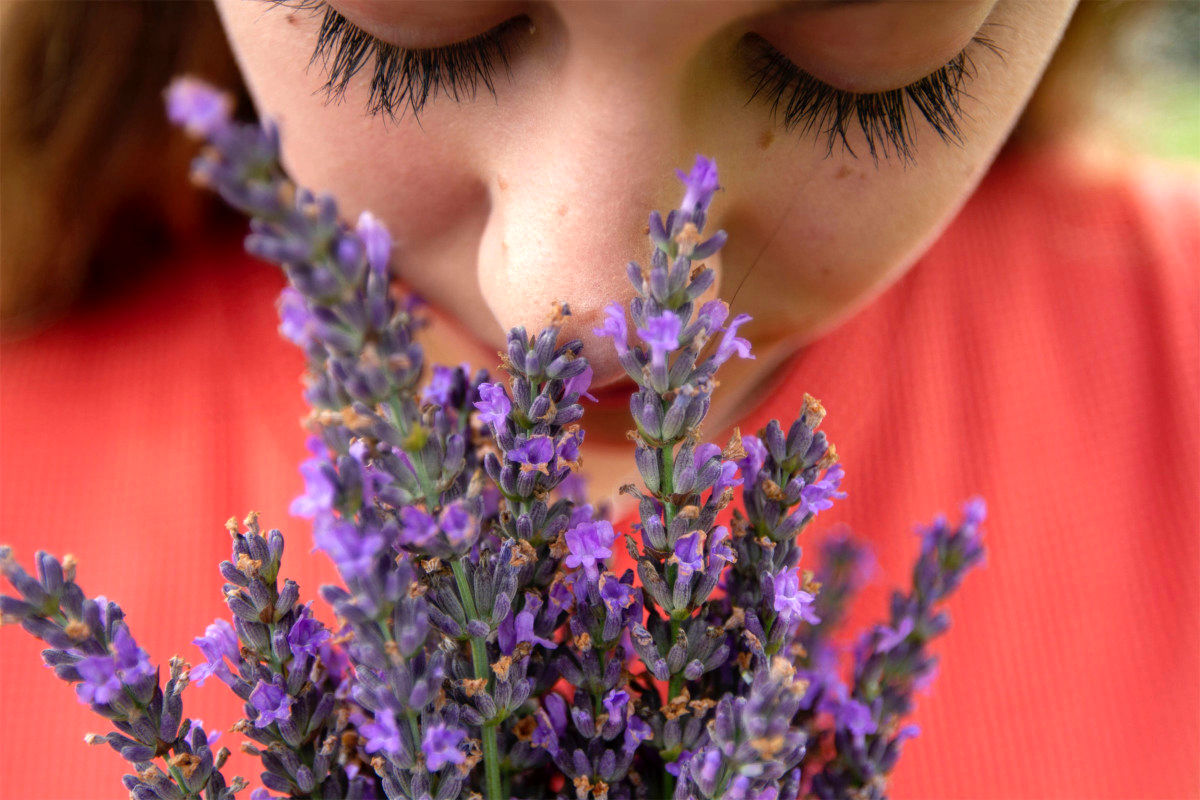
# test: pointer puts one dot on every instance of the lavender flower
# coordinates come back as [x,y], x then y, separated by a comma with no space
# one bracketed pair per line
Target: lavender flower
[614,327]
[100,684]
[91,646]
[382,734]
[376,241]
[791,602]
[440,746]
[701,183]
[891,661]
[197,107]
[307,634]
[296,322]
[493,404]
[218,643]
[272,702]
[475,576]
[661,335]
[589,544]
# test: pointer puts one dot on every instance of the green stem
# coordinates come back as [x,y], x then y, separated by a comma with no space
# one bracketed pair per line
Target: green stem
[431,496]
[491,762]
[479,661]
[667,481]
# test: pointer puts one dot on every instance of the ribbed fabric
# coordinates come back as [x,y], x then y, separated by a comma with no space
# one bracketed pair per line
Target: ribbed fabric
[1043,353]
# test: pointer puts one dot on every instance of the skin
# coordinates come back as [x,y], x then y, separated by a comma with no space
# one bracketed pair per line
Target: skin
[501,206]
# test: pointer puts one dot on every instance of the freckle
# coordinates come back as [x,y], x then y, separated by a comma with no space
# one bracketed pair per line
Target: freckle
[562,210]
[503,184]
[765,139]
[842,172]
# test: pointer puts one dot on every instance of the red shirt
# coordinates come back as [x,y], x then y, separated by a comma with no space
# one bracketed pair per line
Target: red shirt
[1043,353]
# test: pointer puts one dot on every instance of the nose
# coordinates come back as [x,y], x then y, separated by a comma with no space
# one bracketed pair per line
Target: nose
[569,208]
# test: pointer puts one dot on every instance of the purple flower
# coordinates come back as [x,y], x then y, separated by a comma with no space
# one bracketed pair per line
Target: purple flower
[689,553]
[756,456]
[727,479]
[974,513]
[713,315]
[417,529]
[616,702]
[579,385]
[703,453]
[568,445]
[791,602]
[349,253]
[382,734]
[560,595]
[456,522]
[376,240]
[319,488]
[614,327]
[676,765]
[907,732]
[637,730]
[441,746]
[100,681]
[218,643]
[493,404]
[334,658]
[353,551]
[307,634]
[295,320]
[198,724]
[820,495]
[544,735]
[890,637]
[855,716]
[533,453]
[710,766]
[518,628]
[272,702]
[615,595]
[132,661]
[717,547]
[732,344]
[661,335]
[589,544]
[373,478]
[199,108]
[700,184]
[440,386]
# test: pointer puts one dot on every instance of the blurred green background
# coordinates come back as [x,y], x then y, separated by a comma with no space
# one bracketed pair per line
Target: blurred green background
[1151,97]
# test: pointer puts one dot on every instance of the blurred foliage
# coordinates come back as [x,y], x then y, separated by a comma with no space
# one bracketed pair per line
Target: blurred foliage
[1151,96]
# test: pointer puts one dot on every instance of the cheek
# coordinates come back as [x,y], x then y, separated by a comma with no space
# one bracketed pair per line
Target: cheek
[814,240]
[425,187]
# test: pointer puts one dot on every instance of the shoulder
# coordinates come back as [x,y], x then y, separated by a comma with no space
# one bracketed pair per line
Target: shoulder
[1081,253]
[1123,214]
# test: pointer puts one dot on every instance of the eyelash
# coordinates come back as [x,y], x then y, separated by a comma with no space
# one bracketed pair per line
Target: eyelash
[883,117]
[408,79]
[402,78]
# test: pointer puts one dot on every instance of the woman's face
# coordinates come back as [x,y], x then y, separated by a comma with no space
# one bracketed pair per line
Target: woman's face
[502,204]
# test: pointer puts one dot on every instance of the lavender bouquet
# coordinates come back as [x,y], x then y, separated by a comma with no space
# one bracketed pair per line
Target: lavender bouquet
[484,647]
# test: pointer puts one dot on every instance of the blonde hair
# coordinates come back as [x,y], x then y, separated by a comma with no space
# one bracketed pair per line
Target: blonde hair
[94,183]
